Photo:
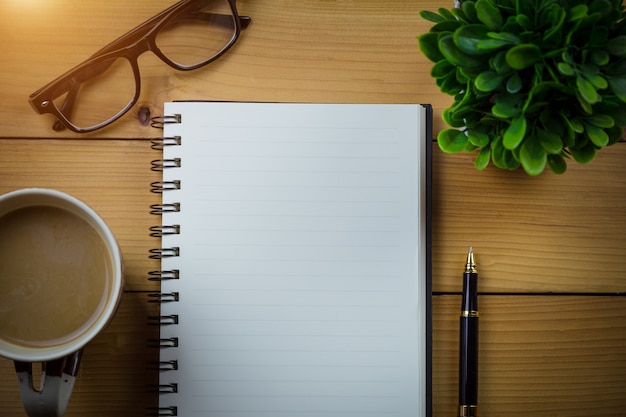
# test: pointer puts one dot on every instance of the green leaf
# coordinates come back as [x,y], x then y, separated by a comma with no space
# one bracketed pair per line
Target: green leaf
[576,124]
[502,157]
[458,57]
[431,16]
[585,154]
[469,8]
[567,57]
[566,69]
[514,84]
[600,120]
[450,85]
[578,12]
[523,56]
[488,45]
[584,104]
[459,115]
[429,45]
[498,63]
[507,37]
[449,118]
[467,38]
[515,133]
[446,14]
[442,69]
[478,139]
[587,90]
[550,142]
[598,81]
[446,26]
[508,105]
[618,86]
[488,81]
[617,46]
[498,154]
[489,14]
[533,157]
[460,15]
[597,135]
[452,140]
[557,164]
[600,57]
[482,159]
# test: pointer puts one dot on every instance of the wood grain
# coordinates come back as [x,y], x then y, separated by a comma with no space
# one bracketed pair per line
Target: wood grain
[546,355]
[312,50]
[112,176]
[555,356]
[552,233]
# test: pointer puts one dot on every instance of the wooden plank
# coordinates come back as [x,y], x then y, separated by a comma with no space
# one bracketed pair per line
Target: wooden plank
[310,50]
[526,238]
[112,176]
[544,355]
[114,376]
[541,355]
[552,233]
[559,356]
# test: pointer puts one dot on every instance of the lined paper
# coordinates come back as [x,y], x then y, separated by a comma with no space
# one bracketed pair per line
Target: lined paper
[302,260]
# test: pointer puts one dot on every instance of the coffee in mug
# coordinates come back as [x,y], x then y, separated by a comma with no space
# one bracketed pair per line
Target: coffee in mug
[61,279]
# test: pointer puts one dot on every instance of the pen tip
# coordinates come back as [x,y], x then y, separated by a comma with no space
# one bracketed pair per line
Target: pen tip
[470,265]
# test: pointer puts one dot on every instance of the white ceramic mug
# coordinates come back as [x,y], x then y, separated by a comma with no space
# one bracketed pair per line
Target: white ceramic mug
[61,280]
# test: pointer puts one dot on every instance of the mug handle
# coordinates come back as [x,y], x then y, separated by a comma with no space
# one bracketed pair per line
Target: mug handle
[57,381]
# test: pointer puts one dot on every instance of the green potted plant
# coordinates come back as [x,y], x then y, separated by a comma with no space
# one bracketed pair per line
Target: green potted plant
[535,82]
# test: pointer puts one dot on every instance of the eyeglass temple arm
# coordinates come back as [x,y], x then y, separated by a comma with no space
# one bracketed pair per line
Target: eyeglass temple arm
[134,35]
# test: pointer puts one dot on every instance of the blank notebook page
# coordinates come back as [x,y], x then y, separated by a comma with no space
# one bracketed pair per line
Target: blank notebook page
[302,261]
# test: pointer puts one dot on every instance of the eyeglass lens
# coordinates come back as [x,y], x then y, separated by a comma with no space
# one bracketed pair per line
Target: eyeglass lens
[196,36]
[107,88]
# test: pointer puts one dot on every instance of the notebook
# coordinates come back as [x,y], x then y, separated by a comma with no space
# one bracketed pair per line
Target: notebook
[295,260]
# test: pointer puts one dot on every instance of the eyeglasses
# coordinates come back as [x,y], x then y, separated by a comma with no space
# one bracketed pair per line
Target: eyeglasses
[186,36]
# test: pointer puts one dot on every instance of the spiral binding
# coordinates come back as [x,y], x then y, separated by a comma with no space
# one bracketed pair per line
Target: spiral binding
[158,165]
[169,342]
[159,187]
[158,253]
[162,411]
[158,231]
[164,297]
[158,209]
[164,388]
[164,365]
[159,122]
[163,275]
[161,142]
[163,320]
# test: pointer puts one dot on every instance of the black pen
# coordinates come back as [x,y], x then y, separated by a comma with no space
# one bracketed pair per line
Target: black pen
[468,359]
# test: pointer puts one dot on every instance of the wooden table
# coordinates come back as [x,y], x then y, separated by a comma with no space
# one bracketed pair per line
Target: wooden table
[549,249]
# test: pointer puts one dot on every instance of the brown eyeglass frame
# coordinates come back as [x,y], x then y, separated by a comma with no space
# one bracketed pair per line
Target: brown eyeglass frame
[130,46]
